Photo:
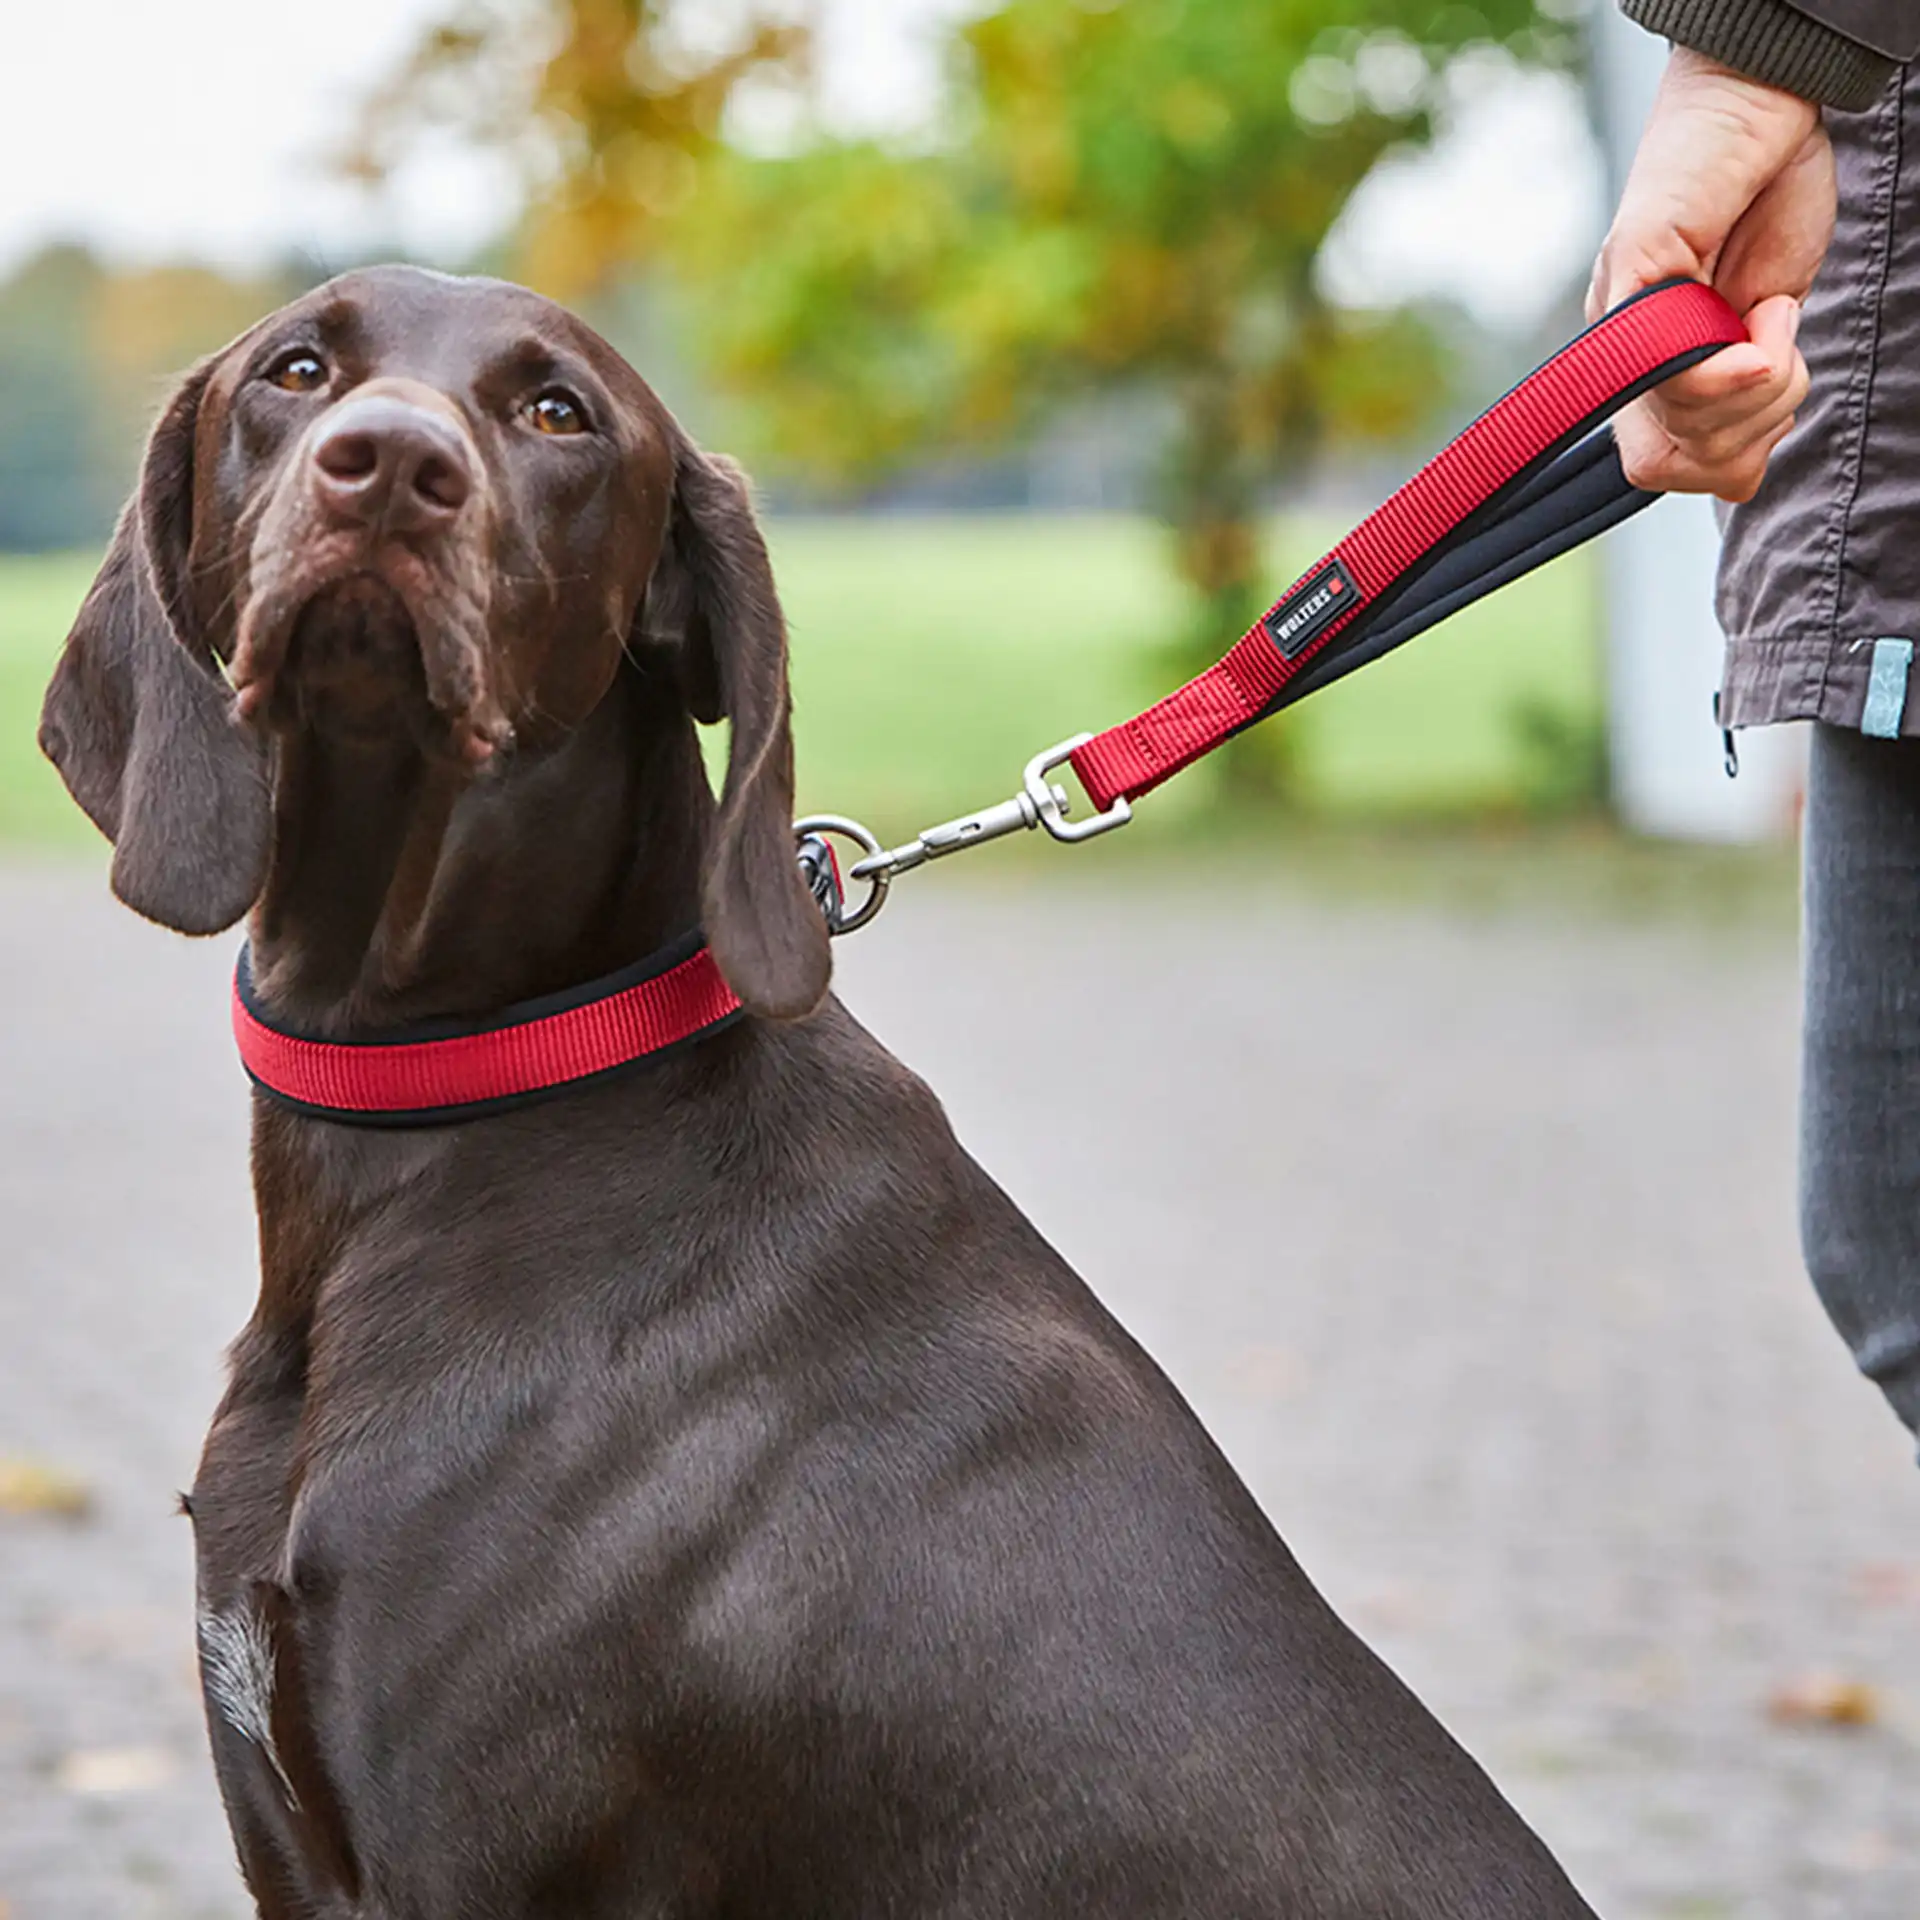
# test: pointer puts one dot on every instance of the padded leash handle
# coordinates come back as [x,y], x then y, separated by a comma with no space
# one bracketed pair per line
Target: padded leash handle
[1523,483]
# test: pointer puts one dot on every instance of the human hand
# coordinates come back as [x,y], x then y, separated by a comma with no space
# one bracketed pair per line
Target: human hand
[1732,184]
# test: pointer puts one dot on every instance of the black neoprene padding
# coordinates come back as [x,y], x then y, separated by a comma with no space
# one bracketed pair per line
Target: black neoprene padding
[1579,496]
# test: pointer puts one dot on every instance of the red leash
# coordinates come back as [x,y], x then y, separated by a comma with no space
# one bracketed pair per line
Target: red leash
[1529,479]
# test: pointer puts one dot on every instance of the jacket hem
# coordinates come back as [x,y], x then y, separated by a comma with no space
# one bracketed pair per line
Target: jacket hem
[1802,676]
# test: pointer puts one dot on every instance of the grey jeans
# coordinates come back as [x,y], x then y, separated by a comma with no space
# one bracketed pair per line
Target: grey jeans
[1820,597]
[1860,1097]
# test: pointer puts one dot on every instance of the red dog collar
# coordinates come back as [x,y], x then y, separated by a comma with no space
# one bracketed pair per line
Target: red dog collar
[457,1070]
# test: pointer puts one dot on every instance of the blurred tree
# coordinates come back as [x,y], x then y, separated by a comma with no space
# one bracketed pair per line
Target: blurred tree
[146,324]
[1120,195]
[609,105]
[87,353]
[53,491]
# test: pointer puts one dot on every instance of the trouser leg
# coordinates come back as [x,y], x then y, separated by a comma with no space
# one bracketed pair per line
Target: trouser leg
[1860,1094]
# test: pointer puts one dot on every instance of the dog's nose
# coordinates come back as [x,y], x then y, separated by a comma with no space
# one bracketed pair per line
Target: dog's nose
[384,461]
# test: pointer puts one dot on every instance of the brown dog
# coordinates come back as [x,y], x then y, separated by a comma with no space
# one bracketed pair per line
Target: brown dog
[702,1494]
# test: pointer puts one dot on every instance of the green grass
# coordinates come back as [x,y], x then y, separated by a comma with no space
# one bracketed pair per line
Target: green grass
[932,657]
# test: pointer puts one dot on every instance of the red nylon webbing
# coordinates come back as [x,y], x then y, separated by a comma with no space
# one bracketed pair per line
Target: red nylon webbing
[1608,361]
[418,1075]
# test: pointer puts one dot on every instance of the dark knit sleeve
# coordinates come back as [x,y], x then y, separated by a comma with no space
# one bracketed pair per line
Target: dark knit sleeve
[1837,52]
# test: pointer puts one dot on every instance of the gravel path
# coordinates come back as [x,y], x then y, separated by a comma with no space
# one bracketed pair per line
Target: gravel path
[1472,1242]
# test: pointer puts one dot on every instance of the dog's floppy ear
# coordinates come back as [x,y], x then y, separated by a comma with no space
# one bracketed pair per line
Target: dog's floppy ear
[715,586]
[139,722]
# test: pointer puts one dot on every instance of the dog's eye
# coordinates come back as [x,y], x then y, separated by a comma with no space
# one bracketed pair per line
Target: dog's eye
[557,411]
[298,371]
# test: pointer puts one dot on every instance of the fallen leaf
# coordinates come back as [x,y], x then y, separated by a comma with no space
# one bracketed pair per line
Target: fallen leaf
[1260,1372]
[1825,1700]
[115,1770]
[32,1487]
[1887,1583]
[1869,1852]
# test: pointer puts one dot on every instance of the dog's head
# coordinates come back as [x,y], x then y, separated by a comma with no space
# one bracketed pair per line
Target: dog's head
[440,510]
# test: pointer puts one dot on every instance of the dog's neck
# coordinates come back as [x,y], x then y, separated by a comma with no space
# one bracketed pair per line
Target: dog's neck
[401,888]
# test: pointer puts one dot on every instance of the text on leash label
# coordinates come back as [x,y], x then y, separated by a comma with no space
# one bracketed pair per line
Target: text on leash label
[1311,608]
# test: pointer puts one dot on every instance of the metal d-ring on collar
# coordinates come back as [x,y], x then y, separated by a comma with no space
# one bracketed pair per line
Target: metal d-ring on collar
[1039,803]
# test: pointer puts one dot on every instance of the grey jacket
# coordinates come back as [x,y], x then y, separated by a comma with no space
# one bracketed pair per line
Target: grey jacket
[1820,573]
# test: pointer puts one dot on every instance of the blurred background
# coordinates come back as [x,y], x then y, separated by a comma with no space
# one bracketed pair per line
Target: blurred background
[1058,335]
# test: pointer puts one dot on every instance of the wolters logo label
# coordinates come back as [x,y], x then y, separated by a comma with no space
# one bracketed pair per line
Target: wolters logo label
[1311,609]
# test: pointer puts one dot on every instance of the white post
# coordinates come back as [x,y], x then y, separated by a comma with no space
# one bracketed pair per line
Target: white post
[1663,642]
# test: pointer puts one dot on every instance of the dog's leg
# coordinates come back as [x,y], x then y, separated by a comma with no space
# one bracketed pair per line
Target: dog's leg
[287,1822]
